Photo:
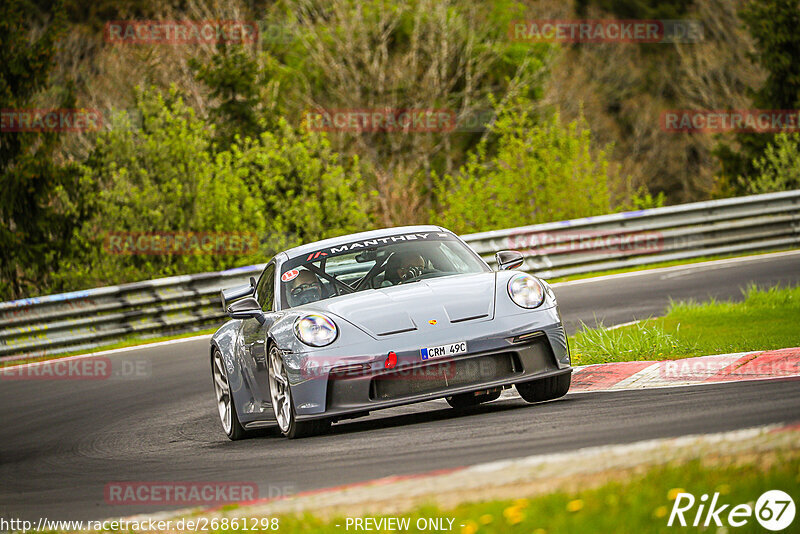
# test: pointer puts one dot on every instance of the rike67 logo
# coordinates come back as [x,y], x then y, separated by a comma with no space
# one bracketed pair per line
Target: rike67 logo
[774,510]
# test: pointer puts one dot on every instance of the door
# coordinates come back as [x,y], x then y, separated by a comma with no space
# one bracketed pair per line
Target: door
[254,337]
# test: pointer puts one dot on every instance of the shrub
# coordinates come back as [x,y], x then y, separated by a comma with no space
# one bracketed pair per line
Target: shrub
[537,172]
[779,168]
[286,187]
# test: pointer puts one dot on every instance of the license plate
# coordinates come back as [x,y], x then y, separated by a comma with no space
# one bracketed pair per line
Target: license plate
[451,349]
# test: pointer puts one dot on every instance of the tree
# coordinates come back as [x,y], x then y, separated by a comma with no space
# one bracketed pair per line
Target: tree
[233,77]
[162,177]
[405,55]
[309,191]
[286,188]
[773,25]
[538,172]
[43,200]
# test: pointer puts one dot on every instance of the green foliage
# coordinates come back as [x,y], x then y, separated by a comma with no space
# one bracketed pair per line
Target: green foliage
[644,200]
[754,301]
[43,200]
[537,172]
[779,168]
[404,54]
[251,167]
[286,188]
[773,25]
[155,179]
[308,193]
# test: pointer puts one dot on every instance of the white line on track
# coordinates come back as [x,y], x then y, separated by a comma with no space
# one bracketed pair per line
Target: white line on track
[684,385]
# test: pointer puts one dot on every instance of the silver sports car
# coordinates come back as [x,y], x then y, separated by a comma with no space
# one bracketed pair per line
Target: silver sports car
[335,329]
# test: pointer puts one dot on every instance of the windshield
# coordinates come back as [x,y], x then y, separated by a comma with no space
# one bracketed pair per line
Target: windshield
[374,264]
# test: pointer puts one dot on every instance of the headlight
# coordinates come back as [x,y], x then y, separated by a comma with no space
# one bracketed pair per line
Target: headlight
[315,330]
[526,291]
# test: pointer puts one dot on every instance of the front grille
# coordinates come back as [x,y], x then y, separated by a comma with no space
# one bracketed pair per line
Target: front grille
[437,376]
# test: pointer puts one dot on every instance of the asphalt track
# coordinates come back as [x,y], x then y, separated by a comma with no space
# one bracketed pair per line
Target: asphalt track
[61,442]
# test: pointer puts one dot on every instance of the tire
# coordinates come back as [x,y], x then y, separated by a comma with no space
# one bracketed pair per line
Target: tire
[545,389]
[283,404]
[225,404]
[468,400]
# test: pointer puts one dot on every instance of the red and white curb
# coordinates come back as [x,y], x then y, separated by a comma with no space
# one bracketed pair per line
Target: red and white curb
[741,366]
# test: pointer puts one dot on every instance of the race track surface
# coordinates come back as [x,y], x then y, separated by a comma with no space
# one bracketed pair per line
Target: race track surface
[639,295]
[61,442]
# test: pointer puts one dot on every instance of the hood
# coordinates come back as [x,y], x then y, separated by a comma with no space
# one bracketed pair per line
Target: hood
[409,307]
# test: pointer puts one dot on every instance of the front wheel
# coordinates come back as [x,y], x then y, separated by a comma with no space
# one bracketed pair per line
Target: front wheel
[281,395]
[545,389]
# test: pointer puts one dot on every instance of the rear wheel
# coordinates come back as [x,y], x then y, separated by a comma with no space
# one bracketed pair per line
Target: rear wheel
[227,410]
[545,389]
[467,400]
[283,405]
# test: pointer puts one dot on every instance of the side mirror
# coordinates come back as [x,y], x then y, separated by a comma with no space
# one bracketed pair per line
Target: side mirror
[235,293]
[247,308]
[508,259]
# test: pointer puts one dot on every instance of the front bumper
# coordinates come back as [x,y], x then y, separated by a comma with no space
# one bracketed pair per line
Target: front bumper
[495,358]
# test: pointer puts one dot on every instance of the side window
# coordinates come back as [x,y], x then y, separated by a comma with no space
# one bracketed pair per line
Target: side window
[265,290]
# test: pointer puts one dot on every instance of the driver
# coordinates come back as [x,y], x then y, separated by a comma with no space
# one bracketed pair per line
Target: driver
[403,266]
[305,288]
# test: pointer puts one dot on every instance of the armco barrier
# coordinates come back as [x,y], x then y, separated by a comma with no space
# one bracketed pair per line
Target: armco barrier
[622,240]
[87,319]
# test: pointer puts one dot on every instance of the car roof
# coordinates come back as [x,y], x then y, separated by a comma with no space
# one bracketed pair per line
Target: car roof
[349,238]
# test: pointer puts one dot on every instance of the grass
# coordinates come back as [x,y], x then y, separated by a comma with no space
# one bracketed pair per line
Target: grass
[640,503]
[658,265]
[766,319]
